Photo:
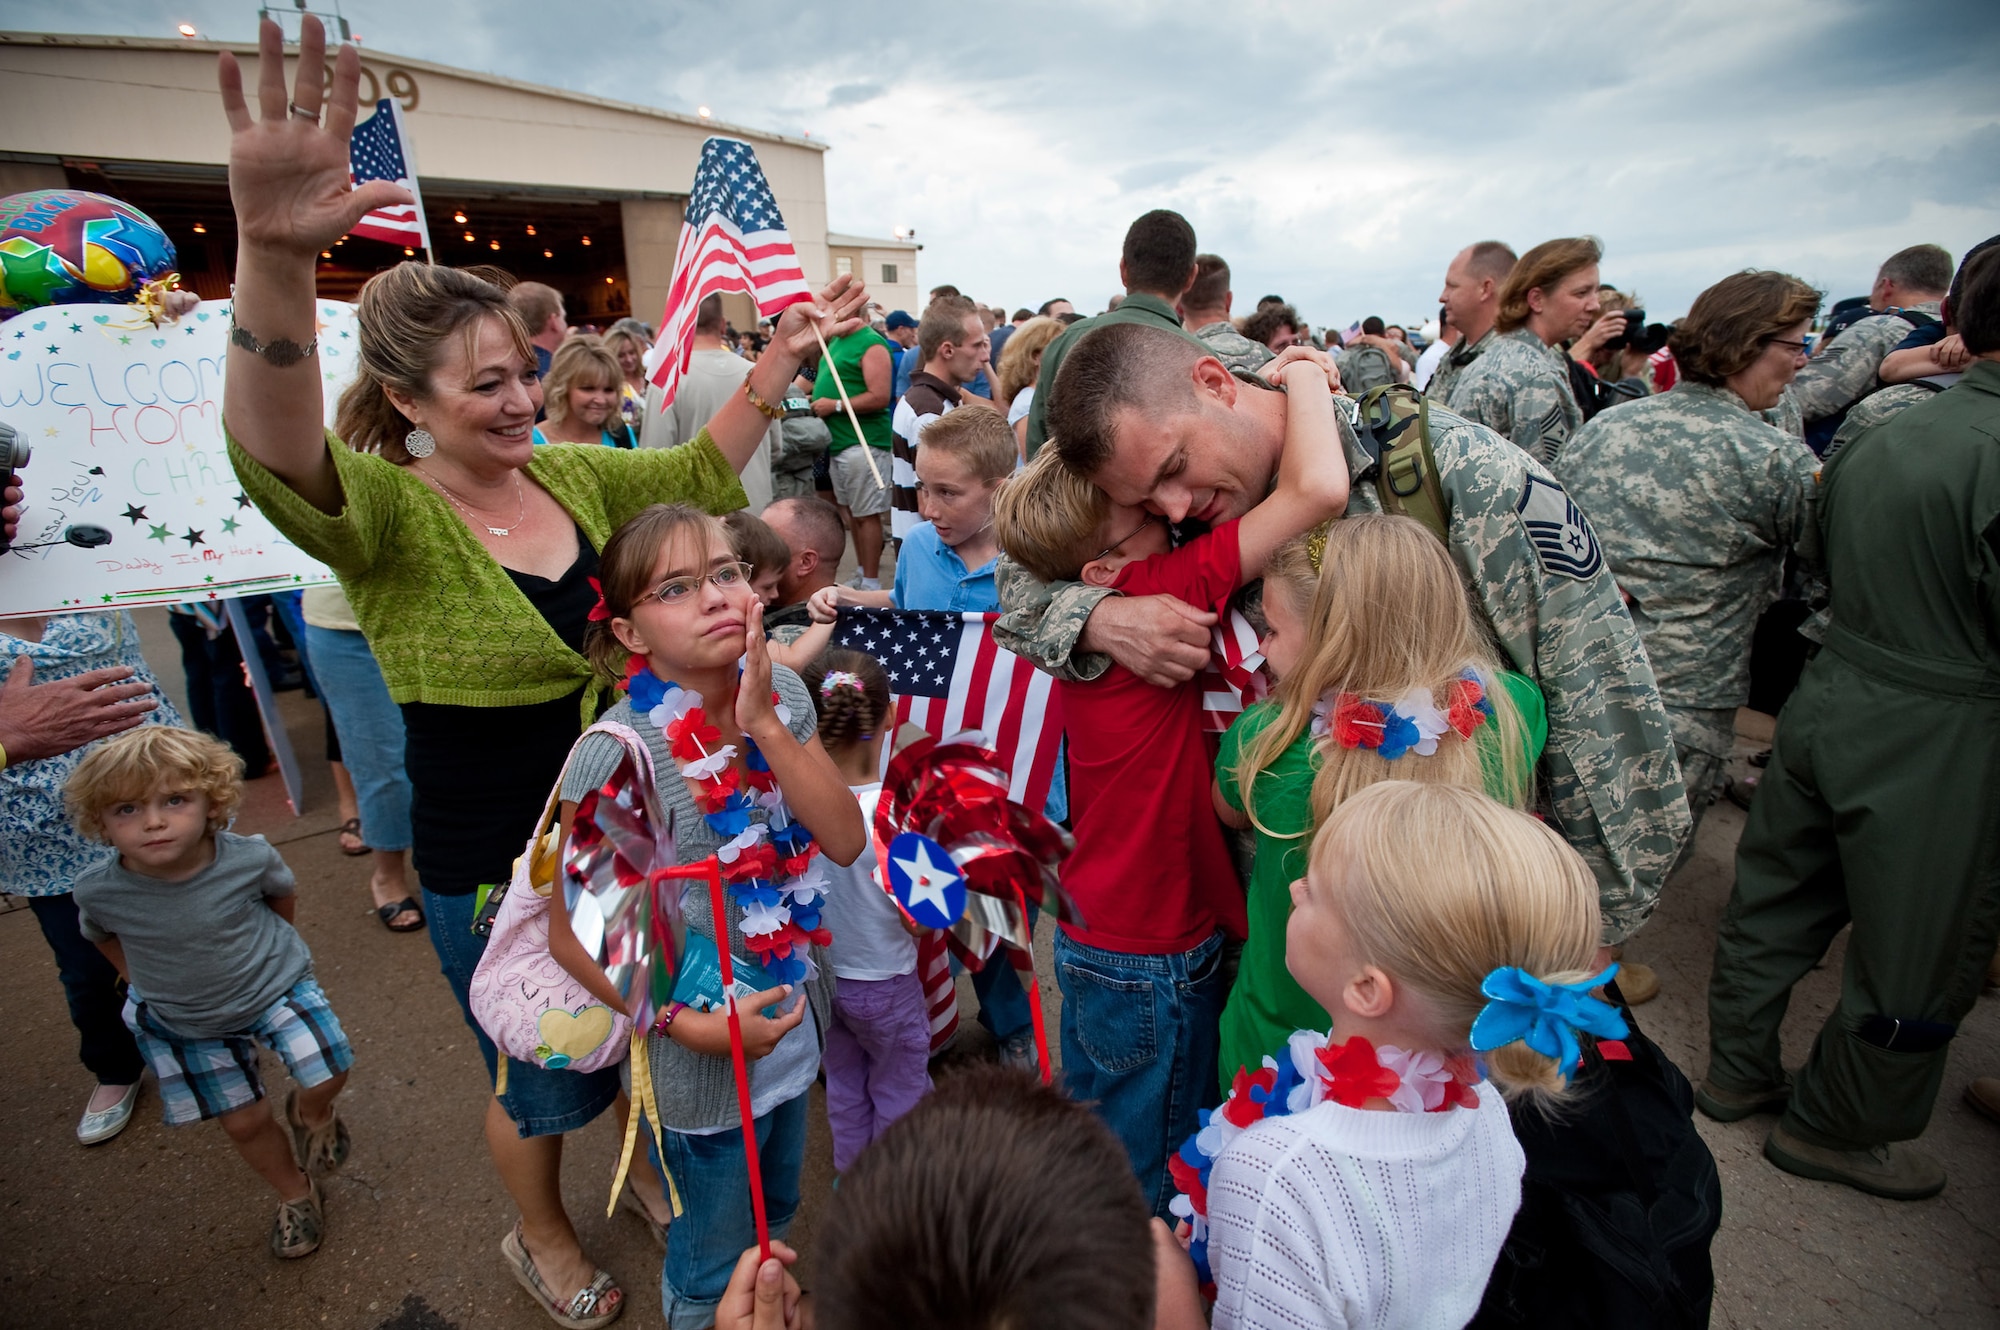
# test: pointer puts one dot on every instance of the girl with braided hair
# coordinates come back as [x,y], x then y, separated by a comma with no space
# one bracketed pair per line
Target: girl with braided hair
[878,1043]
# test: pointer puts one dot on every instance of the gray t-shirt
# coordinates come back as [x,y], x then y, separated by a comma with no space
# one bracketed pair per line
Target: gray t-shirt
[206,955]
[696,1093]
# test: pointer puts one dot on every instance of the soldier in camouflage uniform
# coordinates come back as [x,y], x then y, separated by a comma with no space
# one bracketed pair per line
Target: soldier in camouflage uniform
[1205,313]
[1844,371]
[1698,500]
[1232,348]
[1471,300]
[1611,781]
[1878,407]
[1519,385]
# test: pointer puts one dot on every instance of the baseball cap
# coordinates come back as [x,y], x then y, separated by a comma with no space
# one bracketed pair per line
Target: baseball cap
[900,319]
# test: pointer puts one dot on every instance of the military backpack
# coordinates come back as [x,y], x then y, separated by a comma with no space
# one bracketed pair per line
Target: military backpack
[1392,423]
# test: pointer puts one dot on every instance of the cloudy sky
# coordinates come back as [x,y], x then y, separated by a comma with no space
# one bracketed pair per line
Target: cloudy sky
[1335,152]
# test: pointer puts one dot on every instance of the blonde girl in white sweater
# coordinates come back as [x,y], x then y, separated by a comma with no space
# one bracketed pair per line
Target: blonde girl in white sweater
[1368,1177]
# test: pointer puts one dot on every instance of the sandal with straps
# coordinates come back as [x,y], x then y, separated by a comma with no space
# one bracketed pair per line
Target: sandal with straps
[597,1303]
[351,827]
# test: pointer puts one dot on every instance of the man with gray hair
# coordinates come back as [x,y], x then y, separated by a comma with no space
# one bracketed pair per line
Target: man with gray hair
[1906,293]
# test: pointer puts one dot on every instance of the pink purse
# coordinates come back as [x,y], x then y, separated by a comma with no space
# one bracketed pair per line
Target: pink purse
[529,1005]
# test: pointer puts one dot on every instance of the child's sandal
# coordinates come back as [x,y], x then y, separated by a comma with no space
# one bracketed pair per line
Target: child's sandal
[597,1303]
[319,1150]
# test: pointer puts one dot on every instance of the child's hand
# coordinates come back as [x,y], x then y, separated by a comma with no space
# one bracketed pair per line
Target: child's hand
[824,604]
[756,715]
[1273,371]
[761,1033]
[1176,1294]
[762,1295]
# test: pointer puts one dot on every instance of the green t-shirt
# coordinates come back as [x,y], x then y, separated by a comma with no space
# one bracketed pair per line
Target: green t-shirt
[845,357]
[1266,1004]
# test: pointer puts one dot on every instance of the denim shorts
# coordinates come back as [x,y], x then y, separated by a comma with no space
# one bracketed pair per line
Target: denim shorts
[205,1078]
[541,1102]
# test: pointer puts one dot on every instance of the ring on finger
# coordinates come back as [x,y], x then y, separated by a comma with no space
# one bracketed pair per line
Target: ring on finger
[300,112]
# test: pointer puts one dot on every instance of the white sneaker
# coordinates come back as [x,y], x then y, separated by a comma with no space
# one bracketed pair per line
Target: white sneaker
[100,1126]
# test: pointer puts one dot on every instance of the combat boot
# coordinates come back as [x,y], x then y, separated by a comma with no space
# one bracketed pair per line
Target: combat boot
[1898,1172]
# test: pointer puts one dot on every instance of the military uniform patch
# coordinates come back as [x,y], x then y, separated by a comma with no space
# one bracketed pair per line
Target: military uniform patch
[1556,526]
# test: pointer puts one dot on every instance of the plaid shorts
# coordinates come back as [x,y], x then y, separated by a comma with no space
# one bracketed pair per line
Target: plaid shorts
[205,1078]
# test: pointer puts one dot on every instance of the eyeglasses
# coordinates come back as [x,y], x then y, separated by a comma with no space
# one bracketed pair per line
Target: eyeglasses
[1112,547]
[724,577]
[1798,348]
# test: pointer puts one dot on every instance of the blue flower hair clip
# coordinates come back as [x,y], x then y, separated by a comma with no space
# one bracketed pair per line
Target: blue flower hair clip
[1544,1016]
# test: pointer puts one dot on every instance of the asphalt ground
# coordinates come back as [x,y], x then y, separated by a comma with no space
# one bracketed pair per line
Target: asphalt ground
[166,1227]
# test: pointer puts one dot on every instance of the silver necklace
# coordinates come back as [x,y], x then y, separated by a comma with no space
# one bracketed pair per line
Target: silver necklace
[520,496]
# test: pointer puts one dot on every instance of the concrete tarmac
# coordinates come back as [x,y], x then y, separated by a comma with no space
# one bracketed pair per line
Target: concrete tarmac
[166,1227]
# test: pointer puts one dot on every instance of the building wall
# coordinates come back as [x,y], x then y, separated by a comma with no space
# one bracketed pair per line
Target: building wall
[156,101]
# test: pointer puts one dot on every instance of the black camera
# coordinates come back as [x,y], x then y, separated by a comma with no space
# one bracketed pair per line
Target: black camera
[1639,335]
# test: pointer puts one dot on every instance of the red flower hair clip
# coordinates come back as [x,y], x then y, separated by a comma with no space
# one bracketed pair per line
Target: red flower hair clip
[600,612]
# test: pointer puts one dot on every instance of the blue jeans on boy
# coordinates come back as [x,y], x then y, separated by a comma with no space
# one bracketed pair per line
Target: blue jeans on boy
[1139,1045]
[716,1225]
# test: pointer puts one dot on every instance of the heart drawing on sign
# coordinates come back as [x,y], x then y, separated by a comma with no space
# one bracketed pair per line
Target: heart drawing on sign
[159,341]
[100,318]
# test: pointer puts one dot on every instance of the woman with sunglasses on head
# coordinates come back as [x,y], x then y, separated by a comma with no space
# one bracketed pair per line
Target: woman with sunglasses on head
[466,551]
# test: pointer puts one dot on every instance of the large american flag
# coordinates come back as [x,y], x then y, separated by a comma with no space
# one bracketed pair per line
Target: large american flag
[733,239]
[947,674]
[379,149]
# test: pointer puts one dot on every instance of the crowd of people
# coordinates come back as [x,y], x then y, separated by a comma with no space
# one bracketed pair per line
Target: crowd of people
[1395,672]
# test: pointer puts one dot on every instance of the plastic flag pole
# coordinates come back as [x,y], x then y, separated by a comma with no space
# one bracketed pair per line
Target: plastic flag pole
[868,451]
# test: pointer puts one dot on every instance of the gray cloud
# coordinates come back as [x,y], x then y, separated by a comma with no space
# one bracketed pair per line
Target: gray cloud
[1338,153]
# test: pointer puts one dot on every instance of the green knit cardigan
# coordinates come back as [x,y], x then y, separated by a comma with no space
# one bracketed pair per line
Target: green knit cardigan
[446,622]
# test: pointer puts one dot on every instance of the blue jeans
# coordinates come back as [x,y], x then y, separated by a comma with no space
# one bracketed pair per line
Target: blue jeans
[96,997]
[715,1225]
[371,732]
[541,1102]
[1003,1003]
[1139,1045]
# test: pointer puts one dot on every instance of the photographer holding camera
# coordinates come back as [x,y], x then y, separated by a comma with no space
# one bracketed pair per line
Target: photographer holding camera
[1610,362]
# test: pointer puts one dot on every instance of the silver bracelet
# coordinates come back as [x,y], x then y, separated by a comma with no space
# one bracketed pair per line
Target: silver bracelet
[282,352]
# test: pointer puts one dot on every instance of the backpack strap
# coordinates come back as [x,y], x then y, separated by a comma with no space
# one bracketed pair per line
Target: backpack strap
[1394,422]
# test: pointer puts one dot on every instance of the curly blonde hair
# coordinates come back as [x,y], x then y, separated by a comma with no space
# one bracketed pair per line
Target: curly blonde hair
[152,757]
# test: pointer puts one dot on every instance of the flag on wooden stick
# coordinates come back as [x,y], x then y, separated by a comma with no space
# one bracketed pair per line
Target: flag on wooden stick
[379,149]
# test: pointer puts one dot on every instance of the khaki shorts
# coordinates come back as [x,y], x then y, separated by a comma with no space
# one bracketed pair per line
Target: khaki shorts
[854,486]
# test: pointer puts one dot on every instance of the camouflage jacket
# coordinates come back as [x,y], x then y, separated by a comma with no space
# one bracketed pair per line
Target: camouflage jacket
[1877,407]
[1453,367]
[1697,501]
[1519,388]
[1845,369]
[1232,348]
[1786,415]
[1609,774]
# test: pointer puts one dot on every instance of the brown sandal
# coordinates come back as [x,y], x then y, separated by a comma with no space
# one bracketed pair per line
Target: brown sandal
[352,827]
[597,1303]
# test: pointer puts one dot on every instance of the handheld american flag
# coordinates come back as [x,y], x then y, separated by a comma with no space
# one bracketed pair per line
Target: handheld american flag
[379,149]
[733,239]
[946,674]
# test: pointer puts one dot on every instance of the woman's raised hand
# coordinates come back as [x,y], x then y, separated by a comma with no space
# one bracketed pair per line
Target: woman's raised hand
[837,311]
[288,175]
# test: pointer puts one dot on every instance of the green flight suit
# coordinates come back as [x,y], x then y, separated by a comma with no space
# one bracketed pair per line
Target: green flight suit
[1137,307]
[1881,805]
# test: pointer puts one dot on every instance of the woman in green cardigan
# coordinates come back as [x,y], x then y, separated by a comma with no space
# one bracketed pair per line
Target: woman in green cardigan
[467,551]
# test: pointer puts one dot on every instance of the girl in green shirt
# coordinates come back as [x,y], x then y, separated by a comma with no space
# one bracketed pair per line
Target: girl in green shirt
[1384,673]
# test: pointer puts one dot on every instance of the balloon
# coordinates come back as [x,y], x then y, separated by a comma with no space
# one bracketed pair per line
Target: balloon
[71,247]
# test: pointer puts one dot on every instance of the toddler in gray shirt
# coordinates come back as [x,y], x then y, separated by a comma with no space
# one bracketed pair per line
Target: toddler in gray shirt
[199,922]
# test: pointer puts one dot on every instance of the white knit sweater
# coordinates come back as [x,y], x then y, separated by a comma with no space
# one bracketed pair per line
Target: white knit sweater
[1340,1217]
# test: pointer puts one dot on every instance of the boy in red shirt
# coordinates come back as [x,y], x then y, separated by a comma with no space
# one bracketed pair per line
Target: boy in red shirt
[1151,874]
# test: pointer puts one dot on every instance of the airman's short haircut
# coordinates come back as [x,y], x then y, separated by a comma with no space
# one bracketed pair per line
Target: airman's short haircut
[815,521]
[1490,258]
[1925,268]
[1046,516]
[1112,368]
[1211,283]
[1979,292]
[1159,254]
[1540,269]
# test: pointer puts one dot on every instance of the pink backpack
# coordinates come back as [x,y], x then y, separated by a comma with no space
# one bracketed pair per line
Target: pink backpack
[533,1009]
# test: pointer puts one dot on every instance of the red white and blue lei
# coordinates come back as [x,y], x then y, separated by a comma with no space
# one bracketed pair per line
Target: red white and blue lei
[1412,723]
[1308,1072]
[768,865]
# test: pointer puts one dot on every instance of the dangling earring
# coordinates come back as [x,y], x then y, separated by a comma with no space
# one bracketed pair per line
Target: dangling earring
[419,443]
